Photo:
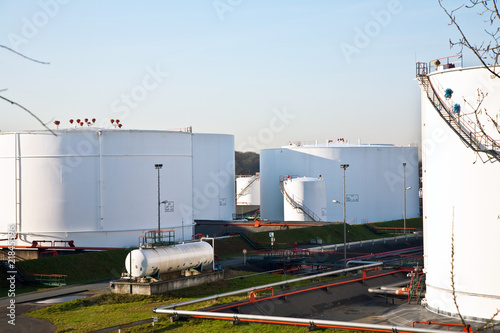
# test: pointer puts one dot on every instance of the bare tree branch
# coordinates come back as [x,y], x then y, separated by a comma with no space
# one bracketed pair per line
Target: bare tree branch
[490,323]
[22,55]
[465,42]
[453,291]
[31,113]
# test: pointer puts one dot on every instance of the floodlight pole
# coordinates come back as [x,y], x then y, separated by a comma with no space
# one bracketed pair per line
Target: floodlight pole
[158,167]
[404,197]
[345,166]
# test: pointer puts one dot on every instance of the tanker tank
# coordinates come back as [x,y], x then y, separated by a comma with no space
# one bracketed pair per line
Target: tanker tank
[150,261]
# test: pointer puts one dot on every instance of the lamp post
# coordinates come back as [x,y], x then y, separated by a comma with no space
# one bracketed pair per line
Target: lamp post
[158,167]
[345,166]
[404,197]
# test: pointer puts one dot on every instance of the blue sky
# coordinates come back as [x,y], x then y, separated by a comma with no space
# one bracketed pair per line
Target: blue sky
[268,72]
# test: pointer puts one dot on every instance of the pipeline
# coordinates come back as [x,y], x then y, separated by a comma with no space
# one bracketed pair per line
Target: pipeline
[323,286]
[261,224]
[466,328]
[367,242]
[391,289]
[241,291]
[305,322]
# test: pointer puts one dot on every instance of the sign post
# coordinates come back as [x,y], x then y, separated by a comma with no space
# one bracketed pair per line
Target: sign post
[244,257]
[271,235]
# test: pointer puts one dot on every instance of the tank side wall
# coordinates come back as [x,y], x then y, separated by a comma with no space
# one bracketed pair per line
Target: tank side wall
[213,177]
[8,183]
[461,195]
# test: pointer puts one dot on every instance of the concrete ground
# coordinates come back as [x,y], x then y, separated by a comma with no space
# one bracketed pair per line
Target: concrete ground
[348,302]
[35,300]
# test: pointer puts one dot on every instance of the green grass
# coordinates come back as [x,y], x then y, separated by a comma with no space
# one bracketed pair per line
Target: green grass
[231,247]
[79,268]
[111,309]
[218,326]
[97,266]
[410,223]
[333,233]
[107,310]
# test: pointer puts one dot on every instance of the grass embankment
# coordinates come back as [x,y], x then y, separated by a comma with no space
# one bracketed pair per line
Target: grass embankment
[97,266]
[79,268]
[330,234]
[108,310]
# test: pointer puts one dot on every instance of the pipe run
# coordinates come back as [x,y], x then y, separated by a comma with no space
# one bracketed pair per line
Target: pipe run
[399,288]
[307,322]
[247,290]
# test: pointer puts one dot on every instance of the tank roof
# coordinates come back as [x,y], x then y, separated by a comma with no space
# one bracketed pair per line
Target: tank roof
[340,144]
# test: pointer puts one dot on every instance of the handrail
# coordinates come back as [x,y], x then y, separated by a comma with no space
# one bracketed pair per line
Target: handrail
[470,137]
[450,64]
[463,126]
[487,139]
[305,322]
[247,187]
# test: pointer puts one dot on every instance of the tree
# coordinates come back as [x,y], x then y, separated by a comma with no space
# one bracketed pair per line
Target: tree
[15,103]
[487,51]
[246,163]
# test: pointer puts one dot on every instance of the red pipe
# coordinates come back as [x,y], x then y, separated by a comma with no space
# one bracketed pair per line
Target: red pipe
[262,224]
[8,239]
[466,328]
[308,289]
[389,228]
[301,324]
[62,248]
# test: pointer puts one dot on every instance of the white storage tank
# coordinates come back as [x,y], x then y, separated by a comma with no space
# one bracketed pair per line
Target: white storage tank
[148,262]
[304,199]
[99,187]
[375,179]
[461,196]
[248,190]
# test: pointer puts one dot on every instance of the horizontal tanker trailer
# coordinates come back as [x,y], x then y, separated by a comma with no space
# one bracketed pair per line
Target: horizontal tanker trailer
[165,259]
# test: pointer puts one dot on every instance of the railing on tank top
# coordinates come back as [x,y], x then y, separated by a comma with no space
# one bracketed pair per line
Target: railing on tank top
[467,128]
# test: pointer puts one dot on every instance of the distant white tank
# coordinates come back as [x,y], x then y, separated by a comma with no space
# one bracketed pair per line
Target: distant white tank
[375,179]
[248,190]
[99,187]
[147,262]
[304,199]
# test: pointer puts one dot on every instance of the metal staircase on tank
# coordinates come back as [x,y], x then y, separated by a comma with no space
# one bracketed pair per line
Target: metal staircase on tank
[243,190]
[416,289]
[295,203]
[474,140]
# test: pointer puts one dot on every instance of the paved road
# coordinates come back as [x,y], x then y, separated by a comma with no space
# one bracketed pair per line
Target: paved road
[28,302]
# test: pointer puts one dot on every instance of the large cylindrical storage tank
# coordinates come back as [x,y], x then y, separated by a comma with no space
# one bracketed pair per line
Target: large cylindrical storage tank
[461,196]
[99,187]
[304,199]
[147,262]
[248,190]
[375,179]
[213,177]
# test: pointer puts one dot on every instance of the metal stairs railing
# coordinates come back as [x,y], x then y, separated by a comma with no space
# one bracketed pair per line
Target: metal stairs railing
[6,266]
[472,139]
[243,190]
[295,203]
[416,288]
